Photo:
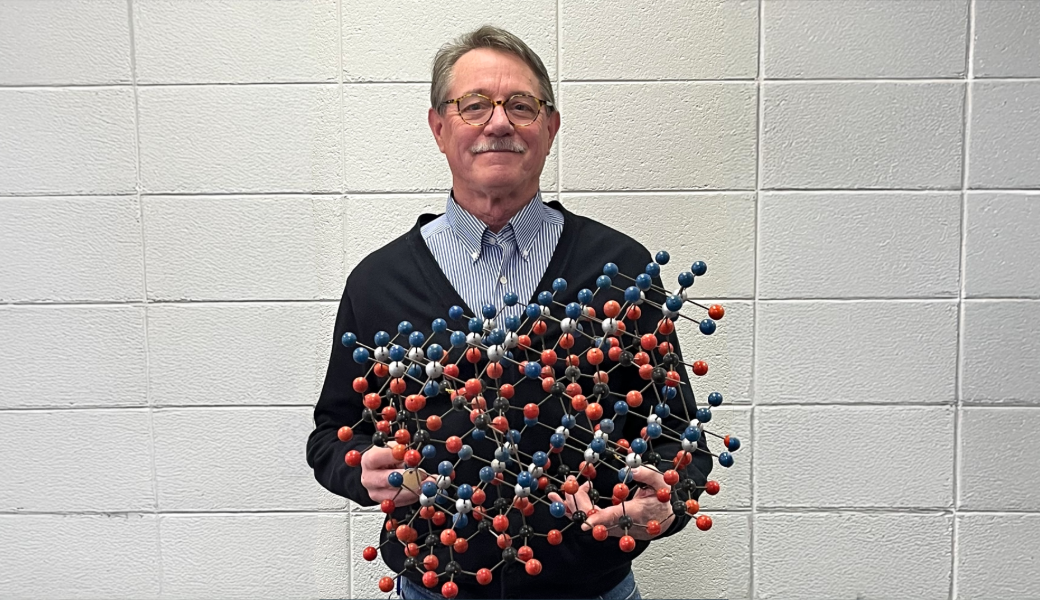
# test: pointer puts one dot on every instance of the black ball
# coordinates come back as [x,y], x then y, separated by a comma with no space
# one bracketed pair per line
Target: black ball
[563,470]
[671,359]
[558,389]
[379,439]
[501,404]
[579,517]
[509,554]
[480,422]
[678,508]
[368,414]
[626,359]
[483,525]
[552,488]
[658,375]
[572,373]
[594,495]
[526,531]
[501,504]
[432,539]
[452,568]
[601,389]
[409,563]
[625,521]
[422,437]
[460,403]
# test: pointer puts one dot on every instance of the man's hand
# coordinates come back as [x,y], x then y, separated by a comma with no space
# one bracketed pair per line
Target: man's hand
[643,507]
[376,466]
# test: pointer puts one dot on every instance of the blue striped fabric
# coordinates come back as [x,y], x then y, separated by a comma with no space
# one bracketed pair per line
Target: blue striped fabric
[482,266]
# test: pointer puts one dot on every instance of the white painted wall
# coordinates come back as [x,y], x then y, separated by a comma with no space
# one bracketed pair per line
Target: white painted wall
[184,186]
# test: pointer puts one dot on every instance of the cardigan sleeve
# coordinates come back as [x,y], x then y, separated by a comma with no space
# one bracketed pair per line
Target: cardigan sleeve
[339,405]
[701,464]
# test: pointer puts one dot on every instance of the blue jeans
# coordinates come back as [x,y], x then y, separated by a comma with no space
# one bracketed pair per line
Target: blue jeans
[626,590]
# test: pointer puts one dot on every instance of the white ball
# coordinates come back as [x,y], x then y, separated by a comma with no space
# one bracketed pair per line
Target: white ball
[381,354]
[434,369]
[443,482]
[397,369]
[512,340]
[546,312]
[463,506]
[687,445]
[426,500]
[495,353]
[568,325]
[634,460]
[590,456]
[521,491]
[497,466]
[415,354]
[697,424]
[653,418]
[566,432]
[610,326]
[474,339]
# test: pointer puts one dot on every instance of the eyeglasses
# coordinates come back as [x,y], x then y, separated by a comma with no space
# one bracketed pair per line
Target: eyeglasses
[520,109]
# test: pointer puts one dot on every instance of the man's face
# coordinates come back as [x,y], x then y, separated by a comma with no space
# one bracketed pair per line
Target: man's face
[497,75]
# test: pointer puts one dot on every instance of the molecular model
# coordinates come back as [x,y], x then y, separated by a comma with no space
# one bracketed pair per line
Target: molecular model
[591,351]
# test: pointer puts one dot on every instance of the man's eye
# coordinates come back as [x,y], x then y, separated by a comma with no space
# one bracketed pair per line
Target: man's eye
[522,107]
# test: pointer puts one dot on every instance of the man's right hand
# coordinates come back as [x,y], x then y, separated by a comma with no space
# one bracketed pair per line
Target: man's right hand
[376,466]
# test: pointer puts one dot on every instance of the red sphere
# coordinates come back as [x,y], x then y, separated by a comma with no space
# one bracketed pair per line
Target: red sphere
[614,353]
[627,543]
[353,458]
[600,532]
[665,327]
[484,576]
[533,566]
[539,327]
[430,563]
[478,497]
[700,368]
[664,494]
[621,491]
[398,385]
[381,370]
[653,527]
[461,545]
[566,341]
[648,341]
[411,550]
[671,477]
[449,589]
[634,398]
[531,411]
[453,444]
[594,356]
[406,533]
[692,506]
[370,553]
[712,487]
[611,309]
[594,411]
[504,541]
[360,385]
[716,311]
[474,387]
[525,553]
[579,402]
[439,518]
[500,523]
[372,401]
[403,436]
[451,370]
[633,313]
[386,584]
[433,422]
[473,355]
[387,506]
[429,579]
[704,522]
[506,391]
[494,370]
[555,537]
[646,371]
[500,423]
[448,537]
[345,433]
[549,357]
[412,458]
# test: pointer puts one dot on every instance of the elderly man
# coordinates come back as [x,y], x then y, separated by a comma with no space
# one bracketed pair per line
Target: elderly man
[493,116]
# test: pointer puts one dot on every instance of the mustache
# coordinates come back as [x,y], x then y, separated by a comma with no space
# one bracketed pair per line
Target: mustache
[498,144]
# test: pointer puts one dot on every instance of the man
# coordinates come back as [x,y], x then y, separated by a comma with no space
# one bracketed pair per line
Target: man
[493,116]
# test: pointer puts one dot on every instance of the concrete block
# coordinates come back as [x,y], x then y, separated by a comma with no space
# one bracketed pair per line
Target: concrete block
[72,356]
[53,43]
[372,221]
[831,457]
[71,249]
[996,556]
[67,140]
[1006,39]
[97,460]
[1005,135]
[1001,356]
[260,41]
[860,245]
[230,138]
[824,352]
[998,447]
[232,353]
[862,135]
[658,136]
[667,39]
[269,248]
[1001,239]
[212,459]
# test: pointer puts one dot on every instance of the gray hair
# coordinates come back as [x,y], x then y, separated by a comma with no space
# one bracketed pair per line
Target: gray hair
[487,36]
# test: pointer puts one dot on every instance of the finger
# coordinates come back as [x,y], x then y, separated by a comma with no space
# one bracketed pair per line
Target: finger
[604,516]
[554,497]
[582,501]
[651,477]
[379,458]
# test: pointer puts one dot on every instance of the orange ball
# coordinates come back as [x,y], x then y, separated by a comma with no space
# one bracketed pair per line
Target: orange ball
[594,356]
[716,311]
[594,411]
[555,537]
[600,532]
[653,527]
[433,422]
[692,506]
[449,589]
[627,543]
[704,522]
[345,433]
[484,576]
[429,579]
[611,309]
[386,584]
[533,566]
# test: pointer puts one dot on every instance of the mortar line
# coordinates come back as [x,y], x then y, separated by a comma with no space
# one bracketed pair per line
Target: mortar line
[759,121]
[559,93]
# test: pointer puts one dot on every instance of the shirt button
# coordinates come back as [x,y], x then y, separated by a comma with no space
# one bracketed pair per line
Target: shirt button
[502,279]
[475,255]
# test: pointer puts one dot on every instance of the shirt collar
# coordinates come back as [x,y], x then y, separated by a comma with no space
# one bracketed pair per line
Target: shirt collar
[526,225]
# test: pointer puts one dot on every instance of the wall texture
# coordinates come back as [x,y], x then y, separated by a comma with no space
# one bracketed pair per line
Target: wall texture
[184,186]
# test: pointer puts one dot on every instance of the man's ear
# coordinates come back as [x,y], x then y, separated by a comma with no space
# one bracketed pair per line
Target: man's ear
[437,127]
[554,127]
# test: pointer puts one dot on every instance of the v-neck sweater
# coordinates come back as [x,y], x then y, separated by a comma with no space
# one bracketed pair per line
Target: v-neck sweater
[402,282]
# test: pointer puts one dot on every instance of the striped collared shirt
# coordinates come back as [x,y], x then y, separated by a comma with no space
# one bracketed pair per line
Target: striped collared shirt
[483,266]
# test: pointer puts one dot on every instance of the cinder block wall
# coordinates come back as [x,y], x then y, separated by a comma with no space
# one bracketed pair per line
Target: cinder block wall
[185,186]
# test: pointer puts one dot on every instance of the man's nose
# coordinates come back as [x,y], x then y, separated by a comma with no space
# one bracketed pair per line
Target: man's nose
[499,123]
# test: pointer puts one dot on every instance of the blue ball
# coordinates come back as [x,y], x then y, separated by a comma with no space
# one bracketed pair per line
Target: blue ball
[573,310]
[486,473]
[431,389]
[360,355]
[643,281]
[497,336]
[443,500]
[699,268]
[524,479]
[704,415]
[533,370]
[653,430]
[598,445]
[404,328]
[692,434]
[726,459]
[510,299]
[458,338]
[455,313]
[429,489]
[557,440]
[557,509]
[382,338]
[415,371]
[348,339]
[465,491]
[568,421]
[445,468]
[638,445]
[395,479]
[478,434]
[662,257]
[606,425]
[533,310]
[540,458]
[715,399]
[733,444]
[397,352]
[559,284]
[531,422]
[653,270]
[668,392]
[545,298]
[662,410]
[707,327]
[610,270]
[429,451]
[674,303]
[416,338]
[686,279]
[620,407]
[439,325]
[513,436]
[625,475]
[488,310]
[512,322]
[585,296]
[475,325]
[632,294]
[435,352]
[501,454]
[466,451]
[459,521]
[603,282]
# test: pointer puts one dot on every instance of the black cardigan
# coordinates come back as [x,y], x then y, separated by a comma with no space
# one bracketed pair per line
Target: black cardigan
[402,281]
